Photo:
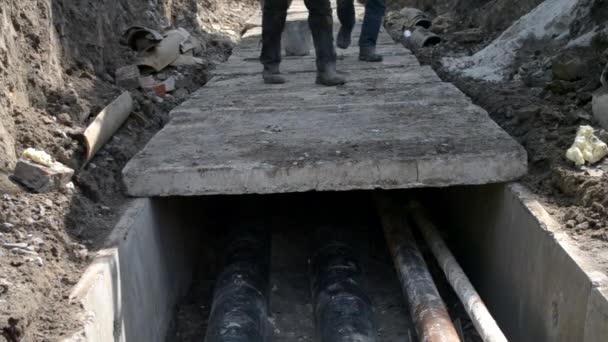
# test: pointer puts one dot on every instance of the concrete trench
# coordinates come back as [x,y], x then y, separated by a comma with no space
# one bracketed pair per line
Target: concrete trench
[164,249]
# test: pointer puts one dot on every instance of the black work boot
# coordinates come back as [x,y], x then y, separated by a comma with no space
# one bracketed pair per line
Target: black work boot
[272,75]
[321,27]
[346,15]
[343,39]
[273,23]
[368,54]
[327,75]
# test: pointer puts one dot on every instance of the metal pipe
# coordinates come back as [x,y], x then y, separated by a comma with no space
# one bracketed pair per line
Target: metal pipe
[342,307]
[428,311]
[482,319]
[239,312]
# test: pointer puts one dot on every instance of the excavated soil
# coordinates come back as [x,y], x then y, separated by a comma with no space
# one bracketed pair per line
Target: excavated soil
[57,67]
[537,105]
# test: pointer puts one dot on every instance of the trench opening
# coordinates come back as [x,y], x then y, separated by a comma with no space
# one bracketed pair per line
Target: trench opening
[297,224]
[163,275]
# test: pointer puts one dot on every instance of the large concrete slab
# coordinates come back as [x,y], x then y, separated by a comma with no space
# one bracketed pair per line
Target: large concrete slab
[394,125]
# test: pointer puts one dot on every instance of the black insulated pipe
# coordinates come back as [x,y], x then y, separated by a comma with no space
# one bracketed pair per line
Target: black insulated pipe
[342,307]
[239,312]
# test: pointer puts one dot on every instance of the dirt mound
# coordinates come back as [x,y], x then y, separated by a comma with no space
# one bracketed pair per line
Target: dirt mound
[542,97]
[57,70]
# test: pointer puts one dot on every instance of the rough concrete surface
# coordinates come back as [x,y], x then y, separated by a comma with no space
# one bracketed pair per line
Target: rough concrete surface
[537,285]
[394,126]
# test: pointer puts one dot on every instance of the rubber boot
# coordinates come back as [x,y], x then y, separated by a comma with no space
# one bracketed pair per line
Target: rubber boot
[327,75]
[321,27]
[368,54]
[346,15]
[272,75]
[343,39]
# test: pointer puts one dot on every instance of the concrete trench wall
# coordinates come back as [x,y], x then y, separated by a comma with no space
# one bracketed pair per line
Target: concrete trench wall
[532,279]
[130,291]
[536,284]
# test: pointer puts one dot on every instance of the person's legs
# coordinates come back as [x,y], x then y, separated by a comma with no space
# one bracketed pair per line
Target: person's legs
[273,22]
[321,26]
[346,15]
[372,21]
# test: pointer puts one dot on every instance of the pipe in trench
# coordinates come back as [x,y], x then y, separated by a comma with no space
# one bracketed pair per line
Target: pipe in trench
[342,307]
[427,309]
[239,312]
[482,319]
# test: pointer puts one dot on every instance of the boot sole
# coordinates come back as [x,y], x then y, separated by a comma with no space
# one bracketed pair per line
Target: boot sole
[328,84]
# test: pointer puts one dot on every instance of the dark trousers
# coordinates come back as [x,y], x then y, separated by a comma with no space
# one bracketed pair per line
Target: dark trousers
[372,21]
[321,26]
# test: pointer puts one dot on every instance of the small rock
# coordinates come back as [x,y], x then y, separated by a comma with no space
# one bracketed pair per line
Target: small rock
[598,207]
[582,226]
[82,253]
[570,224]
[526,113]
[128,77]
[561,87]
[37,241]
[6,226]
[580,218]
[569,67]
[39,261]
[40,178]
[65,119]
[599,105]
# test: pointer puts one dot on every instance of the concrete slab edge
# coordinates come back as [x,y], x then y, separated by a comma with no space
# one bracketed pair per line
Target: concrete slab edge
[258,179]
[596,320]
[125,274]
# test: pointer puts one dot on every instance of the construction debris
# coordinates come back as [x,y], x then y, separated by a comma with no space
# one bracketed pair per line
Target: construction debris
[37,156]
[420,37]
[41,178]
[128,77]
[106,124]
[167,51]
[141,38]
[413,17]
[587,148]
[415,25]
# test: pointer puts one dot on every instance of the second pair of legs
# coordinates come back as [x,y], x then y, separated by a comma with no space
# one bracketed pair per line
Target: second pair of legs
[372,21]
[321,26]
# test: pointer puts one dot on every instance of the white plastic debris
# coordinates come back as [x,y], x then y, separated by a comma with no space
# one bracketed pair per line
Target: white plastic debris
[587,148]
[38,156]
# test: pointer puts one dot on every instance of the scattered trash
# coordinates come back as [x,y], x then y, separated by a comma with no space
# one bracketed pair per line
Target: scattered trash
[420,37]
[167,86]
[415,25]
[141,38]
[106,124]
[166,52]
[37,156]
[587,147]
[40,178]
